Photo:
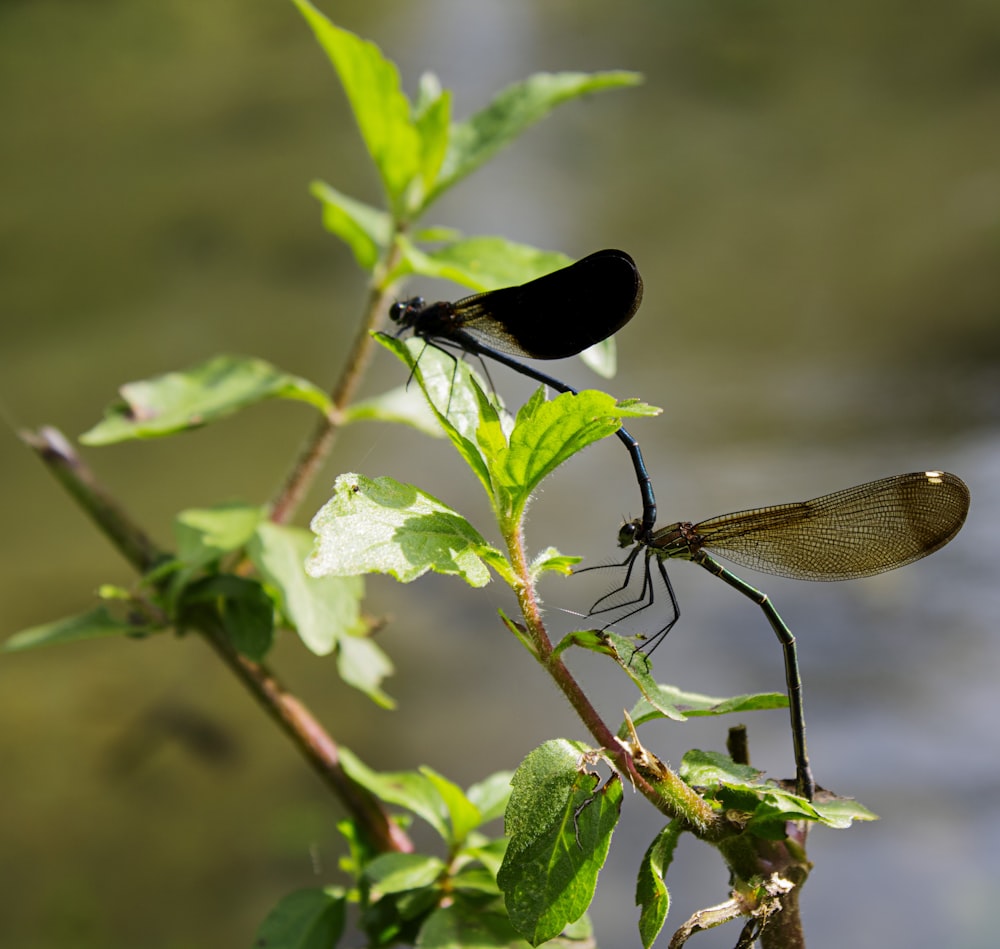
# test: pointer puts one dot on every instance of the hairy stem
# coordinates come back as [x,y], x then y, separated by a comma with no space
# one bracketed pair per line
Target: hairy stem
[689,807]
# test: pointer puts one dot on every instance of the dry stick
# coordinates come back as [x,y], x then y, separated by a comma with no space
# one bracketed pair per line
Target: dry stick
[314,743]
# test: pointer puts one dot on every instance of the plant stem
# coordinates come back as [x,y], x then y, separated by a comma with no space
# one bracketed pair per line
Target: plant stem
[320,442]
[314,743]
[318,748]
[781,862]
[684,804]
[68,468]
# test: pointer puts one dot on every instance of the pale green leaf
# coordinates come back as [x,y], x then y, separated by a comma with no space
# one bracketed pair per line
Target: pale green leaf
[366,230]
[324,611]
[204,535]
[547,433]
[405,405]
[454,400]
[512,111]
[765,806]
[362,664]
[406,789]
[398,872]
[463,814]
[602,358]
[693,704]
[551,560]
[94,624]
[433,119]
[381,109]
[191,398]
[491,795]
[485,263]
[384,526]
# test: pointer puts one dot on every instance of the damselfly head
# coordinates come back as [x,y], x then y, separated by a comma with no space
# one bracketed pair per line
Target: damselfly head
[629,533]
[404,311]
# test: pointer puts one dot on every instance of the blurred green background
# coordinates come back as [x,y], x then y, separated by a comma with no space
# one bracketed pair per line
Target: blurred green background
[812,194]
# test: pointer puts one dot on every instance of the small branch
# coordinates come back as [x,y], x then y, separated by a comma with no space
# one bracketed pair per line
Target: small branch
[784,867]
[763,905]
[683,799]
[320,442]
[705,919]
[298,723]
[319,749]
[68,468]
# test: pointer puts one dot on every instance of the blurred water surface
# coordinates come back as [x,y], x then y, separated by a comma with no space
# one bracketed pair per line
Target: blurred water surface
[813,198]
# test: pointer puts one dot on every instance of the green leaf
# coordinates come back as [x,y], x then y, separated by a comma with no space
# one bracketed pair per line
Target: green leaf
[595,640]
[651,893]
[559,823]
[463,814]
[448,387]
[693,704]
[404,406]
[580,933]
[406,789]
[547,433]
[398,872]
[322,610]
[436,233]
[602,358]
[178,401]
[551,560]
[707,769]
[382,111]
[765,805]
[638,666]
[490,855]
[475,879]
[366,230]
[510,462]
[205,535]
[305,919]
[383,526]
[512,111]
[364,666]
[94,624]
[539,787]
[484,263]
[433,118]
[841,812]
[464,924]
[244,608]
[491,795]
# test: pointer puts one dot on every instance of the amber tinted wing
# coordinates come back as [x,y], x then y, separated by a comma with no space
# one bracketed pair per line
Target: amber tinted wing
[857,532]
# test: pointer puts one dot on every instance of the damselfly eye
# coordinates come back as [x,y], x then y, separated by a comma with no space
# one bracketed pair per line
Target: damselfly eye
[402,310]
[628,533]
